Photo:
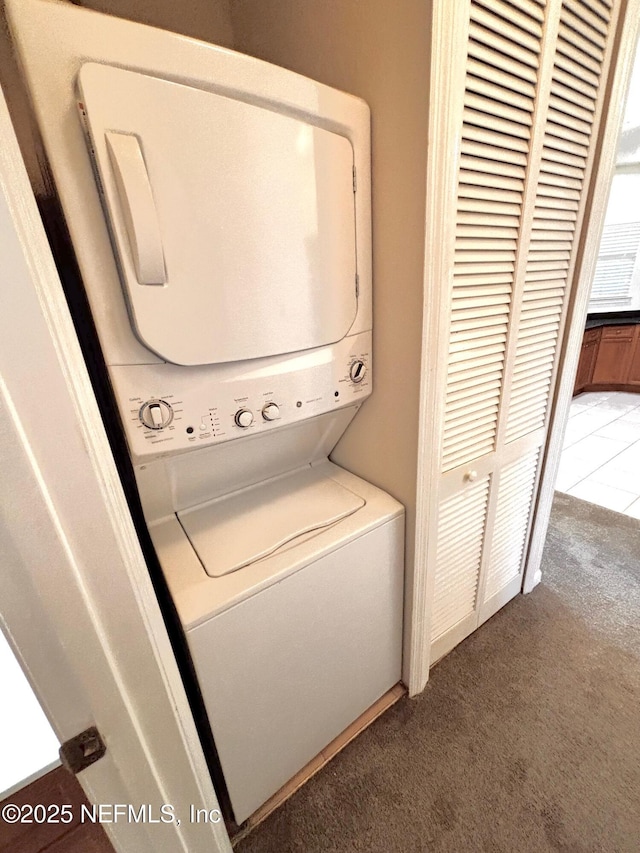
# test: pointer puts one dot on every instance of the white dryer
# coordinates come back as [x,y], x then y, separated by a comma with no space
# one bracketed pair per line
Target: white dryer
[220,212]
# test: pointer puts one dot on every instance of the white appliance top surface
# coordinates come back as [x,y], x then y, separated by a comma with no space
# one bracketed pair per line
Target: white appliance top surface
[198,596]
[234,224]
[231,532]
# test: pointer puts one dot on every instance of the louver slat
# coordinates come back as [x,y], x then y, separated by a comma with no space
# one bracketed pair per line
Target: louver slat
[572,44]
[570,122]
[500,96]
[513,86]
[576,84]
[495,23]
[485,166]
[491,194]
[525,76]
[563,139]
[569,96]
[592,26]
[584,51]
[468,175]
[532,8]
[519,61]
[581,67]
[572,110]
[526,22]
[515,123]
[556,208]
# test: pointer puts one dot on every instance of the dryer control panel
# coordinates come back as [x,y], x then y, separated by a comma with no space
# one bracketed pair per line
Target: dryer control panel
[166,408]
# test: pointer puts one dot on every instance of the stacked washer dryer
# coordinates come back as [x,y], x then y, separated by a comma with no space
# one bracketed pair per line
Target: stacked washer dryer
[220,212]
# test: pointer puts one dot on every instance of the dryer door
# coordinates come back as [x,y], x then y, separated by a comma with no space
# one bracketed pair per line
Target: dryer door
[234,225]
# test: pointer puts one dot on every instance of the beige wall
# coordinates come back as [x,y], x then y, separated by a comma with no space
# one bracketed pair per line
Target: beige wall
[378,50]
[208,20]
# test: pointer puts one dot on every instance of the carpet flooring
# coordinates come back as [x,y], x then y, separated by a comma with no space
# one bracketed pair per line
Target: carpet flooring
[527,738]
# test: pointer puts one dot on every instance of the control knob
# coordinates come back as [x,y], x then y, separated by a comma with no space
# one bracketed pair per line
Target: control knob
[156,414]
[244,418]
[357,371]
[271,412]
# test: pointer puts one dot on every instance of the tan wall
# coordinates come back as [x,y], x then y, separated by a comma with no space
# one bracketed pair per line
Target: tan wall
[378,50]
[208,20]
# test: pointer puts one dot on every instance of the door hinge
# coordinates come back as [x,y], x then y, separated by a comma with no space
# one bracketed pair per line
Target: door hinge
[355,180]
[357,285]
[83,750]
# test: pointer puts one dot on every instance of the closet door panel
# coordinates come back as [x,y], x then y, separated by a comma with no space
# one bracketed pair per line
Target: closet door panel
[505,555]
[461,526]
[503,58]
[531,111]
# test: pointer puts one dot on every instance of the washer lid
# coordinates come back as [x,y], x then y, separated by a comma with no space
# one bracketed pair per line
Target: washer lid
[234,531]
[234,224]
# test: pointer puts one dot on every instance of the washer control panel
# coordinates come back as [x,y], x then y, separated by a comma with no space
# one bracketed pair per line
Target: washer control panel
[167,408]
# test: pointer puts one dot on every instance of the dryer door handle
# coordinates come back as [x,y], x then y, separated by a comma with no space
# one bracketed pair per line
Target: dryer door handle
[138,207]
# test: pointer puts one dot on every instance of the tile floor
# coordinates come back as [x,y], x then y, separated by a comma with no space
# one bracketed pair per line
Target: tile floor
[600,461]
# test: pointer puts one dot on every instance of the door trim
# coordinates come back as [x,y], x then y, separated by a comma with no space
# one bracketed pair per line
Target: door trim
[449,35]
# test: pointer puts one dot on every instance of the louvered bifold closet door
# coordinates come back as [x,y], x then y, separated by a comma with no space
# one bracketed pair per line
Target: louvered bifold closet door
[569,135]
[502,72]
[530,113]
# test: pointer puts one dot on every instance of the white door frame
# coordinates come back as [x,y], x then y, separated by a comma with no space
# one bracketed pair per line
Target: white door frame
[449,33]
[618,85]
[75,594]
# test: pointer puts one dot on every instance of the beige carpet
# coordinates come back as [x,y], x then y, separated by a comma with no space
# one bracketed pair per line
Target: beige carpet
[527,736]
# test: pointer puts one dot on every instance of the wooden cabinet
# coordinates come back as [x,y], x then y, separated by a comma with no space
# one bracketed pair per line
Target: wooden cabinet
[587,361]
[634,366]
[609,360]
[614,355]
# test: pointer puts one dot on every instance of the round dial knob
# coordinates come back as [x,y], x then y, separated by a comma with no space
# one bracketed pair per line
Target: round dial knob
[156,414]
[244,418]
[271,412]
[357,371]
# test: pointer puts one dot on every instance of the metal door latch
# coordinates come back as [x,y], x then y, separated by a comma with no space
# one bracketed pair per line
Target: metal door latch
[81,751]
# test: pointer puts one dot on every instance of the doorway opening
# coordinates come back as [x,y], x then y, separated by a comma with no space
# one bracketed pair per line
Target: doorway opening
[601,451]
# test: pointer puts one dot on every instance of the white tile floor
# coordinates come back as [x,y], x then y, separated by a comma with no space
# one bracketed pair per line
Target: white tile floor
[601,458]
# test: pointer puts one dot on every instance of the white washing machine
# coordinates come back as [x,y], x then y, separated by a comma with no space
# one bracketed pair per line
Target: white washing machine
[220,212]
